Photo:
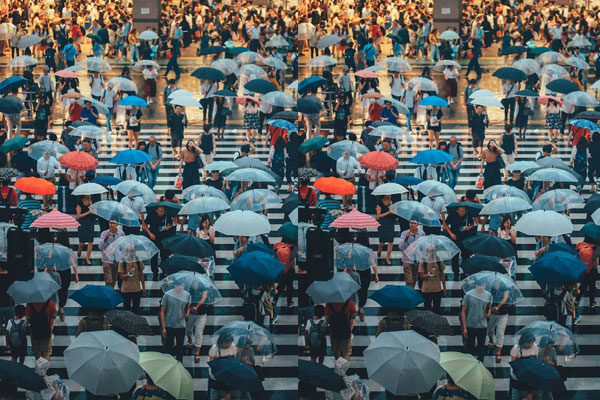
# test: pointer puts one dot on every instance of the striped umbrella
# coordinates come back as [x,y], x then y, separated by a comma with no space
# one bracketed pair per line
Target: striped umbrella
[355,219]
[55,219]
[79,161]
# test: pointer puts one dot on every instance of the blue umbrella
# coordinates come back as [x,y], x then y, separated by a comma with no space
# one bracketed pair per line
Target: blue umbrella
[54,256]
[538,374]
[13,82]
[260,247]
[288,230]
[133,101]
[255,269]
[283,124]
[394,296]
[585,124]
[310,83]
[97,296]
[565,247]
[407,180]
[591,230]
[236,373]
[557,268]
[431,157]
[131,156]
[434,101]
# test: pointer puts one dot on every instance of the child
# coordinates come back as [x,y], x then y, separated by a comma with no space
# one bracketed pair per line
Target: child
[314,335]
[16,335]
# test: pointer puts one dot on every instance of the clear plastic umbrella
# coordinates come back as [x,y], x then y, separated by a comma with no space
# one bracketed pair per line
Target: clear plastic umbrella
[131,248]
[181,92]
[28,41]
[248,57]
[256,200]
[37,150]
[497,191]
[552,175]
[226,65]
[123,84]
[328,41]
[114,211]
[185,101]
[248,333]
[200,286]
[558,200]
[274,63]
[527,65]
[220,166]
[449,35]
[337,150]
[91,132]
[505,205]
[544,223]
[306,30]
[432,248]
[577,63]
[252,70]
[134,188]
[389,189]
[89,188]
[551,335]
[496,283]
[581,99]
[22,61]
[204,205]
[551,57]
[354,256]
[141,65]
[36,290]
[481,93]
[321,61]
[277,41]
[250,175]
[148,35]
[423,84]
[487,101]
[392,132]
[398,105]
[279,99]
[554,69]
[242,223]
[54,256]
[97,64]
[442,65]
[100,107]
[436,188]
[520,166]
[196,191]
[415,211]
[335,290]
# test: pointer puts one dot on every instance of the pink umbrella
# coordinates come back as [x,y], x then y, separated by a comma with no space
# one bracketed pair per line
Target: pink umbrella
[365,73]
[65,73]
[544,100]
[55,219]
[355,219]
[243,99]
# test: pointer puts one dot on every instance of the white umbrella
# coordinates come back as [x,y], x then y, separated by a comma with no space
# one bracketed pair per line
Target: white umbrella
[552,175]
[134,188]
[389,189]
[397,64]
[89,188]
[124,84]
[527,65]
[424,84]
[544,223]
[579,41]
[328,40]
[577,63]
[277,41]
[279,99]
[141,65]
[181,92]
[226,66]
[306,30]
[402,109]
[22,61]
[274,63]
[596,217]
[204,205]
[100,107]
[148,35]
[185,101]
[449,35]
[442,65]
[321,61]
[481,93]
[97,64]
[554,69]
[253,70]
[581,99]
[294,216]
[242,223]
[487,101]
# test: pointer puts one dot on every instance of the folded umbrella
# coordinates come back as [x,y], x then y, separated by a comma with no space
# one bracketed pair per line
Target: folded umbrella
[236,374]
[35,290]
[414,211]
[79,161]
[188,245]
[37,150]
[469,374]
[35,185]
[256,268]
[168,374]
[544,223]
[355,219]
[505,205]
[249,333]
[538,374]
[54,256]
[335,290]
[20,376]
[337,149]
[256,200]
[55,219]
[557,268]
[242,223]
[429,322]
[489,245]
[353,256]
[397,297]
[433,156]
[97,296]
[389,189]
[14,143]
[209,74]
[177,262]
[335,185]
[562,86]
[379,161]
[477,263]
[197,191]
[199,286]
[131,156]
[114,211]
[557,200]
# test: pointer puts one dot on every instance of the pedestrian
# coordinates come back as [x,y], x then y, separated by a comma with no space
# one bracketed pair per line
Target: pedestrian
[498,318]
[176,124]
[16,334]
[478,122]
[207,91]
[347,166]
[47,167]
[521,389]
[89,113]
[435,201]
[197,320]
[408,99]
[41,317]
[386,229]
[553,120]
[455,149]
[174,311]
[251,120]
[94,321]
[108,99]
[150,74]
[315,335]
[96,85]
[451,391]
[508,144]
[55,388]
[208,145]
[451,74]
[491,157]
[149,391]
[523,111]
[509,88]
[141,169]
[189,158]
[13,120]
[158,226]
[134,119]
[434,126]
[109,265]
[340,318]
[475,311]
[85,231]
[154,149]
[409,266]
[133,283]
[589,253]
[224,347]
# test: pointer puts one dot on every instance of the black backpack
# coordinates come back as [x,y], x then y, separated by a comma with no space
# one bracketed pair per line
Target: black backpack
[5,201]
[338,323]
[393,324]
[40,326]
[316,335]
[305,202]
[18,336]
[553,306]
[250,306]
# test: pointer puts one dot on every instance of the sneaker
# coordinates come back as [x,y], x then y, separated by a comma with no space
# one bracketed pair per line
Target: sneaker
[593,305]
[275,317]
[576,320]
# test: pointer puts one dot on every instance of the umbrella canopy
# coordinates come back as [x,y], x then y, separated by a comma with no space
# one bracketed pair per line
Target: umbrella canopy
[274,62]
[355,219]
[282,124]
[397,64]
[20,376]
[585,124]
[309,105]
[442,65]
[327,41]
[15,143]
[581,99]
[148,35]
[188,245]
[544,223]
[37,150]
[97,296]
[197,191]
[435,188]
[403,362]
[552,175]
[379,161]
[429,322]
[433,156]
[477,263]
[132,188]
[557,200]
[255,269]
[407,180]
[236,374]
[579,41]
[90,131]
[79,161]
[279,99]
[592,203]
[487,102]
[562,86]
[471,208]
[432,248]
[469,373]
[277,41]
[423,84]
[199,286]
[538,374]
[260,85]
[242,223]
[354,256]
[256,200]
[226,66]
[497,283]
[251,162]
[489,245]
[449,35]
[123,84]
[335,185]
[131,248]
[520,166]
[577,63]
[12,82]
[248,332]
[89,189]
[397,297]
[97,64]
[311,83]
[481,93]
[103,362]
[131,156]
[498,191]
[596,217]
[250,175]
[321,61]
[248,57]
[129,322]
[212,50]
[527,65]
[22,61]
[320,376]
[552,162]
[551,333]
[335,290]
[398,105]
[55,219]
[8,173]
[168,374]
[539,50]
[510,73]
[220,166]
[177,262]
[54,256]
[204,205]
[35,185]
[209,74]
[36,290]
[551,57]
[557,268]
[412,210]
[337,149]
[114,211]
[133,101]
[389,189]
[288,230]
[514,50]
[433,101]
[554,69]
[505,205]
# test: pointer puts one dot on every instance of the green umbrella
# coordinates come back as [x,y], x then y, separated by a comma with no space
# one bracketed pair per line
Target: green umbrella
[591,230]
[289,230]
[469,373]
[314,143]
[168,374]
[170,208]
[13,144]
[237,50]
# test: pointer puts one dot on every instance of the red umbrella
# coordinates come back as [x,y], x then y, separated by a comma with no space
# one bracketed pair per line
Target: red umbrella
[365,73]
[65,73]
[379,161]
[55,219]
[355,219]
[79,161]
[243,99]
[544,100]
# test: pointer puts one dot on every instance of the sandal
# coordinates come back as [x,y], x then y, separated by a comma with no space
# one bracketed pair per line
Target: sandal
[196,359]
[498,359]
[61,313]
[361,315]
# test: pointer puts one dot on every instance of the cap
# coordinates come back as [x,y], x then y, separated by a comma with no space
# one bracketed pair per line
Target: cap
[346,68]
[411,85]
[111,84]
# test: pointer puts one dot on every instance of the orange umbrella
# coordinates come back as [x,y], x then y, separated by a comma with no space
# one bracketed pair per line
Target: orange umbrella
[335,186]
[378,160]
[79,161]
[35,186]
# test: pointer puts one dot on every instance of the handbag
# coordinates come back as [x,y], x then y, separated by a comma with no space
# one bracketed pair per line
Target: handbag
[501,163]
[179,182]
[528,112]
[479,184]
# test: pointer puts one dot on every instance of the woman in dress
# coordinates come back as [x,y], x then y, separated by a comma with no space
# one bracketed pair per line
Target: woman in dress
[451,74]
[553,120]
[251,120]
[189,158]
[150,75]
[85,230]
[134,119]
[385,231]
[490,157]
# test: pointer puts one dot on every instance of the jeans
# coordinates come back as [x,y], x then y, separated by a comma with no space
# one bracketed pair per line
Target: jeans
[474,66]
[434,53]
[409,117]
[174,342]
[131,301]
[134,53]
[453,176]
[152,176]
[433,301]
[108,117]
[475,349]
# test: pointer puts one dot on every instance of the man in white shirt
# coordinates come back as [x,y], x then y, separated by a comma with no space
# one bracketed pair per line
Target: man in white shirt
[125,172]
[96,85]
[436,202]
[508,91]
[47,167]
[346,166]
[136,203]
[408,99]
[107,98]
[397,85]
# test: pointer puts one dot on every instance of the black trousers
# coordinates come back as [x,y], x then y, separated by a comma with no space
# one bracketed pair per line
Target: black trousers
[132,301]
[588,284]
[285,286]
[207,108]
[433,301]
[509,109]
[475,342]
[174,342]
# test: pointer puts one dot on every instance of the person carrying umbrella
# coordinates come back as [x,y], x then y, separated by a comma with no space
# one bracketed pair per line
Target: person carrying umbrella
[340,318]
[47,167]
[459,226]
[347,166]
[109,266]
[478,121]
[174,310]
[149,391]
[475,310]
[526,347]
[41,318]
[158,226]
[133,283]
[491,157]
[92,322]
[407,237]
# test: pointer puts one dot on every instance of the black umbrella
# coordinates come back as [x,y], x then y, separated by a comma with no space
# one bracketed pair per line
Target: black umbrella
[291,115]
[235,373]
[209,74]
[489,245]
[260,85]
[538,374]
[11,83]
[23,377]
[129,322]
[320,376]
[478,263]
[514,50]
[290,203]
[309,106]
[591,115]
[212,50]
[510,73]
[592,203]
[188,245]
[562,86]
[177,263]
[527,93]
[429,322]
[226,93]
[10,106]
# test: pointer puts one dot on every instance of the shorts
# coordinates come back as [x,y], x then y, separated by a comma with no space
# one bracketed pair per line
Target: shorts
[341,347]
[42,346]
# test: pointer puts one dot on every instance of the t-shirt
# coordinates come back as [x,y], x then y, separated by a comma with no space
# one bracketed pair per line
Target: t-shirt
[476,308]
[519,352]
[176,305]
[350,309]
[11,322]
[149,394]
[435,272]
[217,352]
[132,283]
[50,309]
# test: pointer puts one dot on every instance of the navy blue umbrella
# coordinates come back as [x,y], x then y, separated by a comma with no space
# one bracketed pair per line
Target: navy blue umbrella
[177,263]
[107,180]
[557,268]
[255,269]
[310,83]
[260,247]
[478,263]
[188,245]
[97,296]
[407,180]
[489,245]
[510,73]
[309,105]
[433,156]
[10,106]
[394,296]
[566,248]
[236,374]
[11,83]
[212,50]
[320,376]
[562,86]
[260,85]
[20,376]
[538,374]
[209,74]
[226,93]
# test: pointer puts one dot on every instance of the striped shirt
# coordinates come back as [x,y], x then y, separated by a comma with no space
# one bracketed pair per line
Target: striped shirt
[329,205]
[29,205]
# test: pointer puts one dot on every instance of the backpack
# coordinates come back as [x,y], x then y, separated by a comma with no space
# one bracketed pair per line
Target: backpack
[553,307]
[284,254]
[586,254]
[394,324]
[5,201]
[305,202]
[316,335]
[95,323]
[250,306]
[18,337]
[40,326]
[338,322]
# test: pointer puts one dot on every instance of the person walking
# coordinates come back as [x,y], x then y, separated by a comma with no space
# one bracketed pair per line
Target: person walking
[340,318]
[387,224]
[451,74]
[47,168]
[491,158]
[133,283]
[134,119]
[189,158]
[176,124]
[41,317]
[154,149]
[109,265]
[498,319]
[455,149]
[508,144]
[509,88]
[433,284]
[478,122]
[523,111]
[475,311]
[174,311]
[406,239]
[196,321]
[150,74]
[85,230]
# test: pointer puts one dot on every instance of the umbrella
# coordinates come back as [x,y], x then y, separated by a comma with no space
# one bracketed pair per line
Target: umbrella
[551,332]
[131,248]
[78,124]
[563,247]
[97,296]
[536,51]
[37,150]
[397,297]
[520,166]
[379,161]
[527,65]
[75,68]
[510,73]
[353,256]
[34,185]
[251,162]
[552,175]
[337,149]
[321,61]
[260,85]
[279,99]
[220,166]
[256,200]
[204,205]
[89,189]
[442,65]
[364,73]
[544,223]
[171,209]
[577,63]
[35,290]
[471,208]
[320,376]
[142,64]
[495,282]
[398,105]
[551,57]
[177,262]
[552,162]
[237,50]
[242,223]
[449,35]
[294,216]
[581,99]
[554,69]
[20,376]
[91,131]
[277,41]
[252,71]
[274,63]
[8,173]
[389,189]
[199,286]
[209,74]
[306,30]
[247,57]
[497,191]
[309,105]
[79,161]
[557,200]
[584,123]
[335,290]
[288,230]
[489,245]
[436,188]
[10,106]
[97,64]
[256,268]
[168,374]
[248,332]
[481,93]
[100,107]
[131,156]
[514,50]
[123,84]
[487,102]
[134,189]
[414,211]
[260,247]
[282,124]
[562,86]
[335,185]
[429,322]
[236,374]
[403,362]
[226,65]
[212,50]
[129,322]
[592,203]
[397,64]
[433,101]
[188,245]
[557,268]
[114,211]
[538,374]
[103,362]
[22,61]
[133,101]
[469,373]
[328,41]
[311,83]
[433,156]
[55,219]
[14,143]
[148,35]
[478,263]
[579,41]
[505,205]
[431,248]
[355,219]
[54,256]
[423,84]
[197,191]
[591,230]
[12,82]
[250,175]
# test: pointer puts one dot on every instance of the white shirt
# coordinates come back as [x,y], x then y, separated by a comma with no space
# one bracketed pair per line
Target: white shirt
[379,176]
[136,204]
[254,33]
[109,95]
[130,174]
[346,168]
[451,73]
[96,85]
[77,175]
[408,97]
[436,204]
[509,89]
[148,74]
[397,85]
[47,168]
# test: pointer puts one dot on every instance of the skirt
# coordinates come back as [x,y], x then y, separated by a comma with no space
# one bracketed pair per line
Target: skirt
[451,87]
[386,230]
[85,231]
[553,121]
[191,174]
[251,121]
[149,87]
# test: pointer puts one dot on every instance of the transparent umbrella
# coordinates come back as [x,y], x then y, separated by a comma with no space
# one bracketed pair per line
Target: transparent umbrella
[204,205]
[97,64]
[279,99]
[242,223]
[505,205]
[497,191]
[256,200]
[558,200]
[274,63]
[250,175]
[248,57]
[432,248]
[328,40]
[28,41]
[100,107]
[22,61]
[134,188]
[123,84]
[497,283]
[114,211]
[220,166]
[337,150]
[37,150]
[248,333]
[544,223]
[196,191]
[199,286]
[397,64]
[225,65]
[435,188]
[90,131]
[551,335]
[552,175]
[131,248]
[354,256]
[54,256]
[414,211]
[321,61]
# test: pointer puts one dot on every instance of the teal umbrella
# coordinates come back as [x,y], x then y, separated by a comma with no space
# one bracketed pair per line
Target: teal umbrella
[170,208]
[591,230]
[472,208]
[54,256]
[289,230]
[13,144]
[314,143]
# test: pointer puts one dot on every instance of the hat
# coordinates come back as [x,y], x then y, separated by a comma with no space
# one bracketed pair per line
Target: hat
[346,68]
[411,85]
[111,84]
